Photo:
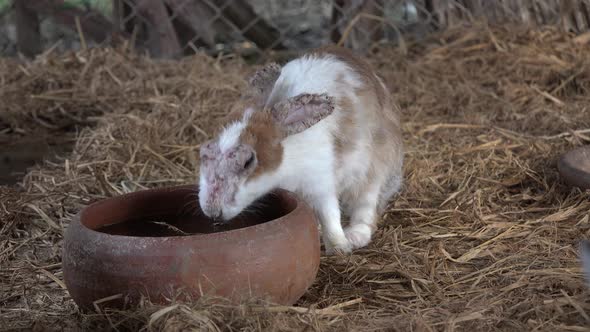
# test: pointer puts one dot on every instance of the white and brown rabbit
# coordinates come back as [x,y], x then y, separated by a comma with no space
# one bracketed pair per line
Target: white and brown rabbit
[324,126]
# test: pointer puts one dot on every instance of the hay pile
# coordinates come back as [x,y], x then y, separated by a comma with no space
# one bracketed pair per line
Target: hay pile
[483,237]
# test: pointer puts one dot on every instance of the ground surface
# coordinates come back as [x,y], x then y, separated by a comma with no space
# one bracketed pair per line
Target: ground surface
[483,237]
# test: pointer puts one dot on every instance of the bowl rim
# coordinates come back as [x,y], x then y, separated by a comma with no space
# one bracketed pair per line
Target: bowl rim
[301,208]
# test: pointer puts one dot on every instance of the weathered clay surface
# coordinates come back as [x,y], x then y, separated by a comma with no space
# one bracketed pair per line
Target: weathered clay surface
[274,255]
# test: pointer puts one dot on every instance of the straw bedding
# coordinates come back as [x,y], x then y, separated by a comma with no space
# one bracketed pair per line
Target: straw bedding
[484,235]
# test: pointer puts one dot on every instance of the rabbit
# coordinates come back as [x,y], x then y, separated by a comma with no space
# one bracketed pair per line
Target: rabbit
[324,126]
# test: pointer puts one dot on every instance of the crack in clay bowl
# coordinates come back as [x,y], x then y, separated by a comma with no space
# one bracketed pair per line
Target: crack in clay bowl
[574,167]
[158,244]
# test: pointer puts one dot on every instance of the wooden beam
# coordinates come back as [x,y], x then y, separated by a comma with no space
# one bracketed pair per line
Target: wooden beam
[162,35]
[28,33]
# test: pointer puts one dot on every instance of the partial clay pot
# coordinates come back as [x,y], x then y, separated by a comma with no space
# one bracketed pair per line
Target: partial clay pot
[574,167]
[159,244]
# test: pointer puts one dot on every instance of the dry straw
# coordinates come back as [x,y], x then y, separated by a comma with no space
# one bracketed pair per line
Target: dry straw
[484,236]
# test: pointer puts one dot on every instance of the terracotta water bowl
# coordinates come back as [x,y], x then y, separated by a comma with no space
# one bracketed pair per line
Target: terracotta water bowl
[574,167]
[158,244]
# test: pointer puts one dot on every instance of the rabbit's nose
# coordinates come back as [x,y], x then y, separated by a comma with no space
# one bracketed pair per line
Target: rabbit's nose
[213,212]
[217,215]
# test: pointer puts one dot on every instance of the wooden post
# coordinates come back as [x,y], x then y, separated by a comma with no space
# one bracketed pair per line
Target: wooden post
[28,33]
[117,16]
[162,33]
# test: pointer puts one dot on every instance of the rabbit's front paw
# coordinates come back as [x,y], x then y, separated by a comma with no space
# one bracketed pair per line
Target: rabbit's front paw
[358,235]
[337,246]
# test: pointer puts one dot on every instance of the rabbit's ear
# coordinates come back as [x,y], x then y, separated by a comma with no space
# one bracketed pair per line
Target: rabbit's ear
[263,80]
[298,113]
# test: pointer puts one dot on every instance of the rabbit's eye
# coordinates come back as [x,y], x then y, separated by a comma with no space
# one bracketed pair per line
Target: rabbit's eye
[249,162]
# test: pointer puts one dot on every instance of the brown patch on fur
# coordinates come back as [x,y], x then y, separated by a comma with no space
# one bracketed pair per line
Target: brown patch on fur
[381,110]
[380,136]
[236,113]
[373,94]
[361,67]
[264,137]
[386,130]
[346,122]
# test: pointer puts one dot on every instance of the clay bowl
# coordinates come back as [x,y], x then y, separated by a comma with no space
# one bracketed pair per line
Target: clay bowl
[158,243]
[574,167]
